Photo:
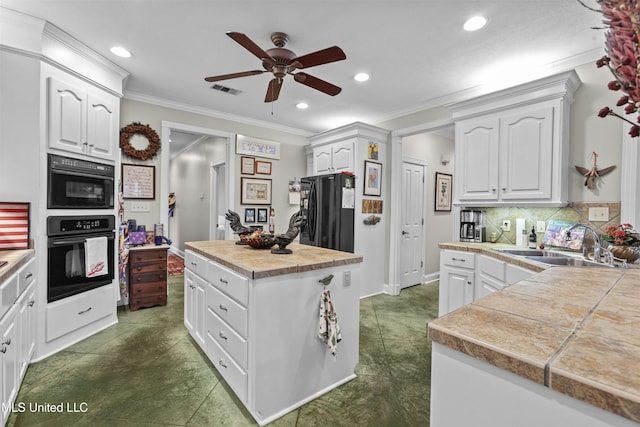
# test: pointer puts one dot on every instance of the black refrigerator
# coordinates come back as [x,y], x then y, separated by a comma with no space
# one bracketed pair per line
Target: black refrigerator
[327,203]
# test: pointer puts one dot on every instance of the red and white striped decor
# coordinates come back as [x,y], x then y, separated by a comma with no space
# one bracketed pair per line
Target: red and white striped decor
[14,225]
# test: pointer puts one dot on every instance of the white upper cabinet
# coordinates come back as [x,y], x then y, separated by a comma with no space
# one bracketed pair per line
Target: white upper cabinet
[81,120]
[333,158]
[512,146]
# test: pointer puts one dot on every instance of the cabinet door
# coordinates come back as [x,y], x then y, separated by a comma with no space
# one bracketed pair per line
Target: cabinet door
[102,126]
[456,289]
[189,300]
[27,328]
[200,299]
[67,118]
[342,158]
[322,160]
[486,285]
[9,342]
[477,145]
[526,154]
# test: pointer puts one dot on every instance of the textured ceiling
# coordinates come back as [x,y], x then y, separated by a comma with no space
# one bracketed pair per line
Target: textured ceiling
[416,52]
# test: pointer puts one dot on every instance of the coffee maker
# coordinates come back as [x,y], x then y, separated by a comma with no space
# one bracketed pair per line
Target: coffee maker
[472,226]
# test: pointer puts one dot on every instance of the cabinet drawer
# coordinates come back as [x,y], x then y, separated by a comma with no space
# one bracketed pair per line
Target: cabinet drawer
[73,313]
[227,338]
[196,263]
[492,267]
[228,310]
[137,301]
[149,288]
[146,255]
[458,259]
[230,283]
[147,267]
[8,294]
[157,276]
[228,368]
[26,276]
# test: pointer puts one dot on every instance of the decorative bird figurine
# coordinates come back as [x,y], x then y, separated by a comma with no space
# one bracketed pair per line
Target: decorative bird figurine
[236,225]
[593,173]
[326,280]
[282,240]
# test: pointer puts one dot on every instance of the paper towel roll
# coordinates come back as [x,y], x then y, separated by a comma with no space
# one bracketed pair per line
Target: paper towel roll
[520,227]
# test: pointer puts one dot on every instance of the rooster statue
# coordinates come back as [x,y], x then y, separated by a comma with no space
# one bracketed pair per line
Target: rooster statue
[236,225]
[282,240]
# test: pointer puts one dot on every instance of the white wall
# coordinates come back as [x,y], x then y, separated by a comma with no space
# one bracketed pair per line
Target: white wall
[429,147]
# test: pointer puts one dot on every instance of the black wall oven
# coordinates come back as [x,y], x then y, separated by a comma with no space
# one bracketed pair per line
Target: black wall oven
[79,184]
[67,272]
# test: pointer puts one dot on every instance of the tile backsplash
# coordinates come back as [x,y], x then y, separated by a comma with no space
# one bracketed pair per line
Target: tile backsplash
[574,212]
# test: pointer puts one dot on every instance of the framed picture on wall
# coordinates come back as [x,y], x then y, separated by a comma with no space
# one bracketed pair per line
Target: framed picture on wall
[373,178]
[443,192]
[262,215]
[247,165]
[263,167]
[255,191]
[250,215]
[138,182]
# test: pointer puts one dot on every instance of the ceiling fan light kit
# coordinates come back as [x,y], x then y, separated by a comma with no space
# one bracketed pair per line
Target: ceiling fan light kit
[281,61]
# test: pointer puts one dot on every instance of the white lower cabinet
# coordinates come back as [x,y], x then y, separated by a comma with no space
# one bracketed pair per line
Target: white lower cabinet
[194,301]
[466,277]
[9,351]
[261,334]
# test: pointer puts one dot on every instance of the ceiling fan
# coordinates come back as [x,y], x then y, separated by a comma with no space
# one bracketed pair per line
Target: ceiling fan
[281,61]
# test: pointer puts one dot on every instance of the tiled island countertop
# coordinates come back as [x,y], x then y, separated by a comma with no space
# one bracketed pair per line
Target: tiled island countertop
[574,330]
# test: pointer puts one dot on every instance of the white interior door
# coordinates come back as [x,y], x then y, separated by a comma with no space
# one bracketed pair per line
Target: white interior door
[412,216]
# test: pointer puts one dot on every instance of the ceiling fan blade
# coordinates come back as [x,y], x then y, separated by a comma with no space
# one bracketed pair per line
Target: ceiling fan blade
[273,91]
[233,75]
[316,83]
[248,44]
[324,56]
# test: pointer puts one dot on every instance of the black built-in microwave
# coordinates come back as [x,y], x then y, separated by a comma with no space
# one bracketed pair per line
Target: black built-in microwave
[79,184]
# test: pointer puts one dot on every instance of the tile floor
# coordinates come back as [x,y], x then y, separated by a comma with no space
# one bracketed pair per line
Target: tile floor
[147,371]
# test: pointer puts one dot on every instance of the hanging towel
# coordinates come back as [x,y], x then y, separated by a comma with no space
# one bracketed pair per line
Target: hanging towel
[95,256]
[329,330]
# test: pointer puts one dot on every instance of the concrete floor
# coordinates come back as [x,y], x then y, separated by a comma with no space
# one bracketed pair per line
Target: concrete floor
[147,371]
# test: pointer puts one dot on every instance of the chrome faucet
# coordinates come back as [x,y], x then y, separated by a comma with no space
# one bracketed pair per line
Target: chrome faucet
[597,247]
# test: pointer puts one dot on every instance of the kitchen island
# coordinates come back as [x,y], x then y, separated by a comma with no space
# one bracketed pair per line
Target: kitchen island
[558,349]
[256,316]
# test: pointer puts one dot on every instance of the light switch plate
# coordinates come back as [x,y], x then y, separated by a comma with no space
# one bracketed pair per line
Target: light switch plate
[599,214]
[139,207]
[540,227]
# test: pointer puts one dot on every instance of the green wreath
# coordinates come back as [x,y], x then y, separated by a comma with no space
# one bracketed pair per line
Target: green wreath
[136,128]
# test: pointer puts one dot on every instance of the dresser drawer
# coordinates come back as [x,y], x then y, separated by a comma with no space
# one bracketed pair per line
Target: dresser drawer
[458,259]
[228,310]
[137,301]
[229,282]
[227,338]
[149,288]
[492,267]
[146,255]
[147,267]
[196,263]
[228,368]
[73,313]
[157,276]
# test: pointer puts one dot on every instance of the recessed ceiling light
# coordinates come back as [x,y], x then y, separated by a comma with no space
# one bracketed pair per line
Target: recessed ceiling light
[121,52]
[475,23]
[302,105]
[361,77]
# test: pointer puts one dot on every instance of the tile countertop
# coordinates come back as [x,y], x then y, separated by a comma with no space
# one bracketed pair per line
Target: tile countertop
[15,259]
[566,328]
[260,263]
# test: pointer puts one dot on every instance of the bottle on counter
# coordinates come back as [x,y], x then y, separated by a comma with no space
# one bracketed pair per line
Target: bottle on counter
[533,239]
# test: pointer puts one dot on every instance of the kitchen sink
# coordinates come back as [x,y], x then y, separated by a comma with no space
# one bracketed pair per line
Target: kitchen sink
[535,252]
[566,261]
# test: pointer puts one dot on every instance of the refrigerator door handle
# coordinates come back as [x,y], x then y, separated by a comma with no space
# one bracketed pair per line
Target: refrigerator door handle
[312,211]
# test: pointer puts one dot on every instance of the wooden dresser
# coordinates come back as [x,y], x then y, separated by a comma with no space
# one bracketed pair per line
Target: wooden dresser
[147,276]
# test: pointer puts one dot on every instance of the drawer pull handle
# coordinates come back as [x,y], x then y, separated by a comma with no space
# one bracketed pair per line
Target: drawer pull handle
[222,335]
[194,263]
[84,311]
[7,342]
[192,286]
[28,275]
[222,280]
[31,303]
[221,363]
[3,349]
[223,307]
[458,259]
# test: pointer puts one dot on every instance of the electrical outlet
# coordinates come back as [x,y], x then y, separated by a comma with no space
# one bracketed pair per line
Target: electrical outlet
[346,278]
[599,214]
[506,225]
[540,226]
[139,207]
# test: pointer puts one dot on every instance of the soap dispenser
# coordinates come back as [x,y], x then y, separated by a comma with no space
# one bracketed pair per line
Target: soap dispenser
[533,239]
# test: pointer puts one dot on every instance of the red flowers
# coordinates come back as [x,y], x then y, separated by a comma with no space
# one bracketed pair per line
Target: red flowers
[623,234]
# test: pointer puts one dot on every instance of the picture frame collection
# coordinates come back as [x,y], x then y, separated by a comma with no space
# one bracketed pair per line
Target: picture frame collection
[254,188]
